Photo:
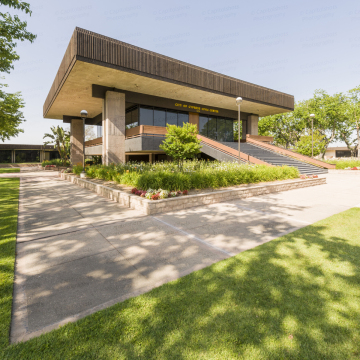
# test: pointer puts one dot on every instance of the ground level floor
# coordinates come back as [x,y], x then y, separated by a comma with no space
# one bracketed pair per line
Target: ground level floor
[13,153]
[78,253]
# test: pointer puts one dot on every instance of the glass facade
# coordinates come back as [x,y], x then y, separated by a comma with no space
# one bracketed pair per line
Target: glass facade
[5,156]
[24,156]
[147,115]
[217,128]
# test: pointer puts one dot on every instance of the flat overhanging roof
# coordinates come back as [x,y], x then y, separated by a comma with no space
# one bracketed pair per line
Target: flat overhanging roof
[93,59]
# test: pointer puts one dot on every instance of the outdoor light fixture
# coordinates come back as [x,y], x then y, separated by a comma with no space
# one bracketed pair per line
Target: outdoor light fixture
[238,103]
[83,114]
[312,134]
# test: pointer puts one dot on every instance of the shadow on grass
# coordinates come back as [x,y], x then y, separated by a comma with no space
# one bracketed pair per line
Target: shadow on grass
[296,297]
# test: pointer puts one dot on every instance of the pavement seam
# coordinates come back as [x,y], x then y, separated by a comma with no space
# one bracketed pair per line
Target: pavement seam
[271,214]
[193,237]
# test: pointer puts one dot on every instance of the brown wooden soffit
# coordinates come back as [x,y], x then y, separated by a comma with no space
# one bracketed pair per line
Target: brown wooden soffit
[94,48]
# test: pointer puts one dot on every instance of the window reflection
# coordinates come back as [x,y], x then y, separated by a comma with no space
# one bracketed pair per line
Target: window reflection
[159,117]
[171,117]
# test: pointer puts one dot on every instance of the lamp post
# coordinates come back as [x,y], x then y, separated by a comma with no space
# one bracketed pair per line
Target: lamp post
[312,134]
[238,103]
[84,115]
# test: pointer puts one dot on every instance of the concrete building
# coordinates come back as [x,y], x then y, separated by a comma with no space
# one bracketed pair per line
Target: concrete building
[131,94]
[16,153]
[124,87]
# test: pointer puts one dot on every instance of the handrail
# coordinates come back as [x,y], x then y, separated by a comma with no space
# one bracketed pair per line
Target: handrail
[293,154]
[260,138]
[145,130]
[227,149]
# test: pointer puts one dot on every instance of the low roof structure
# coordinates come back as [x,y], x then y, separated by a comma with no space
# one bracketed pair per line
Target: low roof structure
[92,62]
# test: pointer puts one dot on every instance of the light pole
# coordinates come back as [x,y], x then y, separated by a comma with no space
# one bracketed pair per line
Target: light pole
[312,134]
[84,115]
[238,103]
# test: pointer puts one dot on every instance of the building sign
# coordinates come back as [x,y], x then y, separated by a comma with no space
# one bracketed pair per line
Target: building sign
[196,108]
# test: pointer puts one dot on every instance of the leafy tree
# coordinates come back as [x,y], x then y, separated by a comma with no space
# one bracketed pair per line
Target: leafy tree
[181,142]
[10,115]
[286,128]
[304,145]
[329,113]
[12,29]
[60,138]
[349,131]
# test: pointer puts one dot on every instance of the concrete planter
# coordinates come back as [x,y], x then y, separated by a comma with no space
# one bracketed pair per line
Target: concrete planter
[151,207]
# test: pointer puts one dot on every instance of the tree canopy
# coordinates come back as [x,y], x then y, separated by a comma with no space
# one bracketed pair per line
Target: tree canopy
[12,29]
[60,138]
[181,142]
[336,119]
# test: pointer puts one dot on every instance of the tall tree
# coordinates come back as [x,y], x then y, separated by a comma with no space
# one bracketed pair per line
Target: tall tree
[60,138]
[12,29]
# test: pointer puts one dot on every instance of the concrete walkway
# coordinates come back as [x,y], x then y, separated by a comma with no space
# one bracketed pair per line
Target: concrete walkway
[78,253]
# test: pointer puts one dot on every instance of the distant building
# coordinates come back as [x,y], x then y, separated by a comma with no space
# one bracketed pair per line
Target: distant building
[16,153]
[338,152]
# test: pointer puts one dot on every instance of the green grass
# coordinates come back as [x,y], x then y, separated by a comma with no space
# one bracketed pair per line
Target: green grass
[9,197]
[296,297]
[345,163]
[9,170]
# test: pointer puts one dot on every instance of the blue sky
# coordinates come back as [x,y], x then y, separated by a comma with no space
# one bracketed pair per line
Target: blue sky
[294,47]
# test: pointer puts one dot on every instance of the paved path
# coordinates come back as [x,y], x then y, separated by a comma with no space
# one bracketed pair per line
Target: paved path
[78,253]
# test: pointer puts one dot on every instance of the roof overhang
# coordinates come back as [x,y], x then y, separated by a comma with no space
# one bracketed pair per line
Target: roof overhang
[93,59]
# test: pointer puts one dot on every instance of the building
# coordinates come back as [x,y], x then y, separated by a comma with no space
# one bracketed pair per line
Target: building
[337,152]
[16,153]
[132,93]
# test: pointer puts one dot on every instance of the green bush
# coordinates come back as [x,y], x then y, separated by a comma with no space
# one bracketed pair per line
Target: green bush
[195,174]
[56,162]
[345,163]
[77,169]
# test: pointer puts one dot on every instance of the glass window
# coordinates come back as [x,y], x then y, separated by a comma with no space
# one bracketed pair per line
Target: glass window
[221,129]
[159,117]
[22,156]
[203,125]
[229,130]
[212,128]
[171,117]
[99,131]
[183,118]
[146,116]
[5,156]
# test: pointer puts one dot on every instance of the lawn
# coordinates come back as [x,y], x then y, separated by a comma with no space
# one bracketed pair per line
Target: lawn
[296,297]
[9,170]
[9,197]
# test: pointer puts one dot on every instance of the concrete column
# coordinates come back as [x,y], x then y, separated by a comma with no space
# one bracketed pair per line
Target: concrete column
[252,124]
[114,128]
[13,156]
[76,141]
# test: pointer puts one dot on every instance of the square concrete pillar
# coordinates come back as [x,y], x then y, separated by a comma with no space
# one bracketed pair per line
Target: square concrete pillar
[114,128]
[253,125]
[76,141]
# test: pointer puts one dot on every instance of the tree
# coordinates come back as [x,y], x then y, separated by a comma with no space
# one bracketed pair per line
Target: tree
[11,30]
[90,133]
[330,114]
[10,115]
[286,128]
[181,142]
[60,138]
[304,145]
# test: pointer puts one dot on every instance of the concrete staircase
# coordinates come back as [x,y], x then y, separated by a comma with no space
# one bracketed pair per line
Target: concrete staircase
[276,159]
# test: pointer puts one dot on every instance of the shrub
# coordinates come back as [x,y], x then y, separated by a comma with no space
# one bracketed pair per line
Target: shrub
[345,163]
[77,169]
[194,175]
[56,162]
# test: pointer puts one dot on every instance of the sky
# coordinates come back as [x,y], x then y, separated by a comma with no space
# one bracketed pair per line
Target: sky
[291,46]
